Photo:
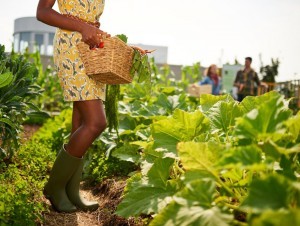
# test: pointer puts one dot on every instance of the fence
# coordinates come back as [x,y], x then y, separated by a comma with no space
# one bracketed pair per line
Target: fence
[288,89]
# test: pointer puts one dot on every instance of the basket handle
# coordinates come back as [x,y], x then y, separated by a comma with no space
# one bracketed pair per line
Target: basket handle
[142,51]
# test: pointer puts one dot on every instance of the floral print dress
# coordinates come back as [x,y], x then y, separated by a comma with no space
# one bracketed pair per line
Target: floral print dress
[77,86]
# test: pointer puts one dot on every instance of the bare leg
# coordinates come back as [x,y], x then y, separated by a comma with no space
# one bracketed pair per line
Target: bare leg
[93,123]
[76,119]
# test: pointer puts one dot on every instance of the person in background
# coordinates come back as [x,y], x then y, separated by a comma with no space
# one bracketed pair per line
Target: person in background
[246,81]
[213,79]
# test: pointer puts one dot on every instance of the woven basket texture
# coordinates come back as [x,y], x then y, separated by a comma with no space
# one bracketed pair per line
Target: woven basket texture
[109,65]
[196,90]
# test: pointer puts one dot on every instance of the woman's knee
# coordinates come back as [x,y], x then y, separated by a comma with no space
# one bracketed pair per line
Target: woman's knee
[97,127]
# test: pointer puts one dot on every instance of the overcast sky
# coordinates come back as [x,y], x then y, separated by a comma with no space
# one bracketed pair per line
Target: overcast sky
[211,31]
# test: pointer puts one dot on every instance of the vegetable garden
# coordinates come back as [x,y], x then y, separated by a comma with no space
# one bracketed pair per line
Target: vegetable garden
[208,161]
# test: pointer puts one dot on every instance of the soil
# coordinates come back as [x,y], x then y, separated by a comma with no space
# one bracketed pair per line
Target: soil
[28,131]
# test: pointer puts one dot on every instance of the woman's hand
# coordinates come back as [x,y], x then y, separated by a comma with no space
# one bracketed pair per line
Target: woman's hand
[92,35]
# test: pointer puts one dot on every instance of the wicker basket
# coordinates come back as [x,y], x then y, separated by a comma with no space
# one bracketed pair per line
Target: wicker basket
[196,90]
[109,65]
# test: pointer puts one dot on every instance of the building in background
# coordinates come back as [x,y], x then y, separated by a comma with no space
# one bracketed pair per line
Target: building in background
[228,76]
[31,34]
[34,35]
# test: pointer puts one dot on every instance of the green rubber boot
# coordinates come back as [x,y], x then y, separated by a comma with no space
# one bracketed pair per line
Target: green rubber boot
[72,190]
[55,190]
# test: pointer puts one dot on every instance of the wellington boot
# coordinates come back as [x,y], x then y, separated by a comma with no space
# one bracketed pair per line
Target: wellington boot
[73,193]
[55,190]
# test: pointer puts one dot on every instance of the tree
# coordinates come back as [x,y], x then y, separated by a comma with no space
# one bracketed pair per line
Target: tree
[269,72]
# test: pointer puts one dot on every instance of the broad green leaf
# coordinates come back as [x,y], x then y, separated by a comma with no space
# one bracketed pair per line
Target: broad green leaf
[144,200]
[288,167]
[293,127]
[182,126]
[163,101]
[273,150]
[223,114]
[178,215]
[198,156]
[5,79]
[296,196]
[234,174]
[169,90]
[141,198]
[192,175]
[149,193]
[197,193]
[252,102]
[127,152]
[208,100]
[8,122]
[264,122]
[169,103]
[159,173]
[278,218]
[267,193]
[241,156]
[127,122]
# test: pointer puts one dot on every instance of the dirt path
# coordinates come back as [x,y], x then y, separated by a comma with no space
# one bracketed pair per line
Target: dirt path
[108,195]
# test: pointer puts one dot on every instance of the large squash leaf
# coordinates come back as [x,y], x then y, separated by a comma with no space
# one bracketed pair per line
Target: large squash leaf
[198,156]
[208,100]
[264,122]
[270,193]
[182,126]
[148,194]
[223,114]
[277,218]
[193,206]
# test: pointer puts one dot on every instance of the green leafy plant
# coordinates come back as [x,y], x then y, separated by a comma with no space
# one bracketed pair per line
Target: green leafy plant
[17,91]
[224,160]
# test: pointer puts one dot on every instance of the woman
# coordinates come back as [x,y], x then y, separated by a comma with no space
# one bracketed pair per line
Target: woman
[212,78]
[77,20]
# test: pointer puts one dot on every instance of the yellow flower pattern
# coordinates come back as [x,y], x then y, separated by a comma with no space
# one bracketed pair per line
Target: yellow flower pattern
[77,86]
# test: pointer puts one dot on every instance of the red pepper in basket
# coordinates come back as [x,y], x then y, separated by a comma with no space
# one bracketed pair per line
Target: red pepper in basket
[101,45]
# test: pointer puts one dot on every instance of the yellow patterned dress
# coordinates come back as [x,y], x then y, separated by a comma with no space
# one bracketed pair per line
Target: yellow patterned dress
[77,86]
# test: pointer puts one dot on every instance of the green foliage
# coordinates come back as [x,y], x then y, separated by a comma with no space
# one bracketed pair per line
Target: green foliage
[212,161]
[190,74]
[270,71]
[23,180]
[51,99]
[17,92]
[99,167]
[223,159]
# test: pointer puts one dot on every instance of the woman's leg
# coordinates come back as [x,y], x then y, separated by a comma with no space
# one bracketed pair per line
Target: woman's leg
[91,114]
[86,126]
[76,119]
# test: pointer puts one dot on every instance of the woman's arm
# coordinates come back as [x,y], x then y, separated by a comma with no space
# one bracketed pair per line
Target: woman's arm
[46,14]
[205,81]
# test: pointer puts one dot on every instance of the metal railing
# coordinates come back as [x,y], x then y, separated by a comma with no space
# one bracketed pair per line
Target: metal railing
[290,89]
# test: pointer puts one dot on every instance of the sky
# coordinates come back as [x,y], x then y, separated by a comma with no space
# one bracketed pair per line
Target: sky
[209,32]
